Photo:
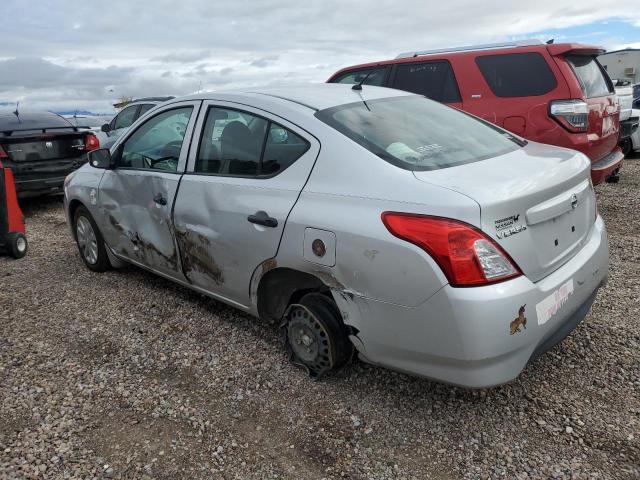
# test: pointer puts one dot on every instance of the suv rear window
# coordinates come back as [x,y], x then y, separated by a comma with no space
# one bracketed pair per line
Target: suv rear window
[517,74]
[431,79]
[590,75]
[371,76]
[415,133]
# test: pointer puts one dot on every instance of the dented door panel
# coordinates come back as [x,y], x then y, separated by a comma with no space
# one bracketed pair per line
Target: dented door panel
[135,225]
[136,206]
[220,249]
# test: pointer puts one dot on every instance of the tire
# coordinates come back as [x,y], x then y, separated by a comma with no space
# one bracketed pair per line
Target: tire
[626,146]
[18,245]
[316,336]
[90,242]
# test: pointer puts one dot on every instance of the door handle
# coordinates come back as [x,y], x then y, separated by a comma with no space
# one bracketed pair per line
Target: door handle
[159,199]
[262,218]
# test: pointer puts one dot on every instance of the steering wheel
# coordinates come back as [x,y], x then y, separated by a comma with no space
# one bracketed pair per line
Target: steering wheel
[172,149]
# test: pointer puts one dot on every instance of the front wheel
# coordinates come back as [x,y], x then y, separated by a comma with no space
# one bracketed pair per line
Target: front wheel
[90,242]
[316,335]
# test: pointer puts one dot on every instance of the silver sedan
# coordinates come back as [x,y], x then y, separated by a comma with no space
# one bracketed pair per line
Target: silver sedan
[363,220]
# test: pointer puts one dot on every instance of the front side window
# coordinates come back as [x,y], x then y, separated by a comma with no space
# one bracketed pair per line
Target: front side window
[371,76]
[636,96]
[431,79]
[235,143]
[517,74]
[156,144]
[590,75]
[415,133]
[125,118]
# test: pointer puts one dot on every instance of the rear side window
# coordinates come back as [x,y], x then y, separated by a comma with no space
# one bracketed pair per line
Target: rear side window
[240,144]
[371,76]
[431,79]
[517,74]
[590,75]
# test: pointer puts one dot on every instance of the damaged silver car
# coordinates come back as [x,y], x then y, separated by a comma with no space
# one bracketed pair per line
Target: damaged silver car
[362,219]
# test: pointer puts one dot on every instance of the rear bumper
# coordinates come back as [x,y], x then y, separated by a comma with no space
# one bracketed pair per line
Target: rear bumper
[607,165]
[465,336]
[37,187]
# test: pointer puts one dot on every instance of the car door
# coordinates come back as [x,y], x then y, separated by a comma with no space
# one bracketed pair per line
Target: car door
[136,197]
[243,178]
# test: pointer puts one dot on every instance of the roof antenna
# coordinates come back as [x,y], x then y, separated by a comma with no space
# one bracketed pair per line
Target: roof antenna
[358,86]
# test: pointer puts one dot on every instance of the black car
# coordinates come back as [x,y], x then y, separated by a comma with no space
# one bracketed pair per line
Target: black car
[42,148]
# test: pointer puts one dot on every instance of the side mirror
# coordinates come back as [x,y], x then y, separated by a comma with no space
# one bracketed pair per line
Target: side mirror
[106,128]
[100,158]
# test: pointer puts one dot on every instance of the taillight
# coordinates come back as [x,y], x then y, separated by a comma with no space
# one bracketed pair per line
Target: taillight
[91,142]
[465,254]
[571,114]
[3,154]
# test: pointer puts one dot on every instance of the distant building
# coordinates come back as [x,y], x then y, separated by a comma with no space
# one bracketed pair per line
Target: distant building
[622,64]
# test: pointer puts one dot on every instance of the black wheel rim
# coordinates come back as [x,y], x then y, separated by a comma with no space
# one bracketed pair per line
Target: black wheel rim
[308,339]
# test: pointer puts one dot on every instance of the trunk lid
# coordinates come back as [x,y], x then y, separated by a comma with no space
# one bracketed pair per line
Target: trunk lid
[45,155]
[537,203]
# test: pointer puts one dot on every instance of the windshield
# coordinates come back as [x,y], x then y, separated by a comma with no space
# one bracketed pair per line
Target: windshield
[415,133]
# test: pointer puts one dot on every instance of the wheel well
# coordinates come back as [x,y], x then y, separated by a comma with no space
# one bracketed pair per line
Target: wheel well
[281,287]
[73,206]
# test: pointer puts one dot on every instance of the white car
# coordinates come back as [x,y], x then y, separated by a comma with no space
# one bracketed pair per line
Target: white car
[111,131]
[358,217]
[635,136]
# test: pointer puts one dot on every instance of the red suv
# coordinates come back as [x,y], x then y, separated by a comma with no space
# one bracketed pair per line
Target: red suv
[549,93]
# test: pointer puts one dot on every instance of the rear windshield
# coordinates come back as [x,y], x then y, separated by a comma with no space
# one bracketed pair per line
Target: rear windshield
[590,75]
[517,74]
[415,133]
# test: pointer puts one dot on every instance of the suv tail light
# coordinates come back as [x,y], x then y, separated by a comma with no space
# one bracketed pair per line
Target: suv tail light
[91,142]
[465,254]
[571,114]
[3,154]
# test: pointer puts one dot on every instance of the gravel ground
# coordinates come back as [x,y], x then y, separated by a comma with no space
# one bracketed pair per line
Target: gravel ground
[126,375]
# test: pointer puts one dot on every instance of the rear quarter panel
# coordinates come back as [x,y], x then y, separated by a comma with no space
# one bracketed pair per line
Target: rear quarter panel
[347,191]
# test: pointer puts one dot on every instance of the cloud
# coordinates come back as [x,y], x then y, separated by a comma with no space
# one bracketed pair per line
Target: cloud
[155,47]
[182,57]
[263,62]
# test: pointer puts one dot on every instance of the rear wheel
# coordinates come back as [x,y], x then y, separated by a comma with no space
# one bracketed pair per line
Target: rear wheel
[90,242]
[626,145]
[17,245]
[316,335]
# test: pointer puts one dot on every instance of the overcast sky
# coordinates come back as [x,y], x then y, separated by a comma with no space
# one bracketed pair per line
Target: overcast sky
[66,55]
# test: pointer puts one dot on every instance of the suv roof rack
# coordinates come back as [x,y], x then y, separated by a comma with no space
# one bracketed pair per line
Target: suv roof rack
[487,46]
